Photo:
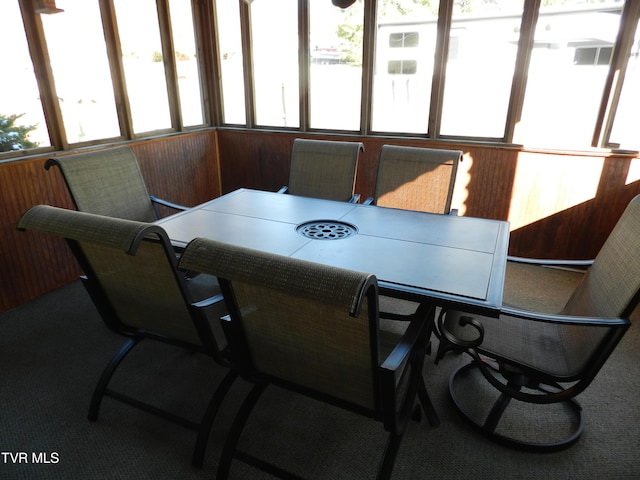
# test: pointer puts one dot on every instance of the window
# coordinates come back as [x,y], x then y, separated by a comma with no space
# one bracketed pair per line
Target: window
[336,66]
[19,94]
[625,126]
[275,62]
[479,72]
[402,67]
[403,73]
[143,64]
[81,71]
[184,43]
[231,68]
[557,104]
[563,97]
[404,40]
[593,56]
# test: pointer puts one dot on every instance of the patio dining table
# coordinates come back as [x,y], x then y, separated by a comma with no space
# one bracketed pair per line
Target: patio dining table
[444,259]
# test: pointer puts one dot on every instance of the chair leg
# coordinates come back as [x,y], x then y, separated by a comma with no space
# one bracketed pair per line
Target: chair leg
[103,382]
[427,406]
[209,417]
[491,423]
[236,429]
[488,427]
[389,458]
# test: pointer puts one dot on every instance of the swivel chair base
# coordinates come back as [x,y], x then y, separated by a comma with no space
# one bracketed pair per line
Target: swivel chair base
[488,426]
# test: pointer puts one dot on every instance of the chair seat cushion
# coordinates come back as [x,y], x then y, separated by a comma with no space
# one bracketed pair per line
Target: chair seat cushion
[556,349]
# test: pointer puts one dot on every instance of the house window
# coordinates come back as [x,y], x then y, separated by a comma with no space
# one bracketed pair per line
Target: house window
[404,40]
[592,56]
[406,67]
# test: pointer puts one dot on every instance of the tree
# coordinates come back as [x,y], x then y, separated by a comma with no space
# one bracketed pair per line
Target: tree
[14,137]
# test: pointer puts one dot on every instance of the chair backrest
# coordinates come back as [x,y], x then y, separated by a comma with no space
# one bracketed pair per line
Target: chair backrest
[414,178]
[131,275]
[324,169]
[299,322]
[611,287]
[107,182]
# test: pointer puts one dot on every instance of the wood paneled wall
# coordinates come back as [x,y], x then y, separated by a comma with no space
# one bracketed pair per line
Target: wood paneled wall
[180,168]
[560,205]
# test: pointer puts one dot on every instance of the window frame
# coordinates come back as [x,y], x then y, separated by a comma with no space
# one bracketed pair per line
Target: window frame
[205,18]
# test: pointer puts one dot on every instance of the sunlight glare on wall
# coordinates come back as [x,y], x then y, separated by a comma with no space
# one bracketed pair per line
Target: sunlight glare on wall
[634,171]
[544,186]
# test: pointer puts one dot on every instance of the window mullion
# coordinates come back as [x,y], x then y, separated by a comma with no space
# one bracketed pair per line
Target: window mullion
[205,20]
[44,75]
[304,61]
[114,53]
[169,60]
[445,14]
[368,64]
[247,59]
[519,84]
[617,69]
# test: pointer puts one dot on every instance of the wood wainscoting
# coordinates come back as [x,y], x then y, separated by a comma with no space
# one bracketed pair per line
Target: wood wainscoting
[559,204]
[181,168]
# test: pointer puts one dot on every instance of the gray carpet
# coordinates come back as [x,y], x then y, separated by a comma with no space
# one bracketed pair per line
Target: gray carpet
[53,349]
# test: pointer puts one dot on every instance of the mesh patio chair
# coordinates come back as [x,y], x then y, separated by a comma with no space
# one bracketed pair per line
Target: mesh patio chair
[313,329]
[323,169]
[412,178]
[541,358]
[109,182]
[130,274]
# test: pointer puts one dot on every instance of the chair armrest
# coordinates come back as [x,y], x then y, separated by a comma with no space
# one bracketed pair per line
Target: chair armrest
[564,319]
[208,302]
[579,264]
[401,378]
[167,203]
[563,393]
[284,189]
[401,352]
[368,201]
[355,198]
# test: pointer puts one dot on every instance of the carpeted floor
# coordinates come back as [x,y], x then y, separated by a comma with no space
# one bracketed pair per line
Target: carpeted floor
[53,349]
